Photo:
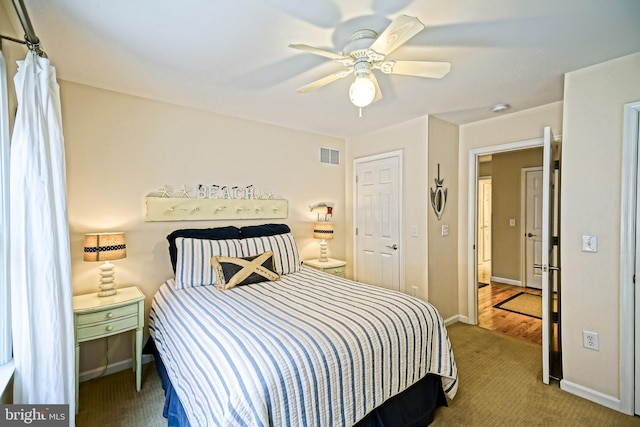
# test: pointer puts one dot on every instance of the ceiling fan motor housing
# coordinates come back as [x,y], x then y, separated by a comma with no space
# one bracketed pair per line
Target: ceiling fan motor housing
[360,43]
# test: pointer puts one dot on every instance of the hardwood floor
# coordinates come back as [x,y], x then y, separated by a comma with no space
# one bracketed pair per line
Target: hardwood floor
[508,323]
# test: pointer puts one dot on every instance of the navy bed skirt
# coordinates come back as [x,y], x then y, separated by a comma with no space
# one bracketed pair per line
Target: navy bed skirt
[414,407]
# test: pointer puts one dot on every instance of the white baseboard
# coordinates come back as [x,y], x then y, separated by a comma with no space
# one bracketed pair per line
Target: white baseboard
[506,281]
[112,368]
[453,319]
[592,395]
[464,319]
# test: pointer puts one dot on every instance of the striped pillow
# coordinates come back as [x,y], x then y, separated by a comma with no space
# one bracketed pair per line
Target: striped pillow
[193,261]
[285,252]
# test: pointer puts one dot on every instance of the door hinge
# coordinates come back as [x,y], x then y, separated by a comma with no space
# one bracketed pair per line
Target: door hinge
[555,241]
[356,231]
[556,164]
[555,317]
[356,179]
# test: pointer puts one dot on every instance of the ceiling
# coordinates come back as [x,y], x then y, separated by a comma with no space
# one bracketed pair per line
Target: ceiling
[232,57]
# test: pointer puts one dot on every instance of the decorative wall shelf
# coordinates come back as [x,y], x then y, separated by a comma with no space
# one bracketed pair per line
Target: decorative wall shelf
[190,209]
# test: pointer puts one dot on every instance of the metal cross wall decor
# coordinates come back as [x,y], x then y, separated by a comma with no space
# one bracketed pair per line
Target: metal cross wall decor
[438,196]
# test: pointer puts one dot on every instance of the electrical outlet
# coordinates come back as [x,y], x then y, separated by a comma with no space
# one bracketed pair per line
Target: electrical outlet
[591,340]
[414,291]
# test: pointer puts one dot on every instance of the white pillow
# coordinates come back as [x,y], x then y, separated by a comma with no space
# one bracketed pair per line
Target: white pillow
[193,263]
[285,252]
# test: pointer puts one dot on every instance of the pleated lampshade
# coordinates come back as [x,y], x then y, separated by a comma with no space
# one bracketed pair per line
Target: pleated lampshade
[323,230]
[105,247]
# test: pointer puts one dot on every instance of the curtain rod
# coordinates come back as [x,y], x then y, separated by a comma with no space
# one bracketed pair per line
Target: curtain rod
[31,40]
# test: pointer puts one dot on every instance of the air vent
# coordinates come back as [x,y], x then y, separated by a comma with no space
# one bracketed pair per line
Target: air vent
[330,156]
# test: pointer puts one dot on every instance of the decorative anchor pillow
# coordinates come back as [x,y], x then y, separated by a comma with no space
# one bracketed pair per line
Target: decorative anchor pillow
[232,272]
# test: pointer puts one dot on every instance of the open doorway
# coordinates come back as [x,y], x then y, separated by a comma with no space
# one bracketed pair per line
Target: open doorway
[506,303]
[535,310]
[484,222]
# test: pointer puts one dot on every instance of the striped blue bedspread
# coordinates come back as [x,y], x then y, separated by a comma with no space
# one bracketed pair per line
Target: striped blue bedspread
[309,350]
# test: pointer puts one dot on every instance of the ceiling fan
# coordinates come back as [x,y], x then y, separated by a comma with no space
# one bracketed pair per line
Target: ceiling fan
[366,52]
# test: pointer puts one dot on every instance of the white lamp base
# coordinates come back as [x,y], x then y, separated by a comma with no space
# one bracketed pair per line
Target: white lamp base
[107,280]
[323,251]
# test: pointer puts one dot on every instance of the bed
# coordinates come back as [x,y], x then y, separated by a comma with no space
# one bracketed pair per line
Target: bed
[293,347]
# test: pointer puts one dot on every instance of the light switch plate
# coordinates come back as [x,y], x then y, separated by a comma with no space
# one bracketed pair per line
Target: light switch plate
[589,243]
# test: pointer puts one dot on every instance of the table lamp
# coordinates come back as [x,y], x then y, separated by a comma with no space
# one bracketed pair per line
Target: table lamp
[323,231]
[105,247]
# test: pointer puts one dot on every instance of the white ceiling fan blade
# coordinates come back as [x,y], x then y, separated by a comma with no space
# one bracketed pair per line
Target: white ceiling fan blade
[317,51]
[397,33]
[325,81]
[434,70]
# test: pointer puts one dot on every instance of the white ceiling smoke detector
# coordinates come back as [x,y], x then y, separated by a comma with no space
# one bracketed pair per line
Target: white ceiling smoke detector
[500,108]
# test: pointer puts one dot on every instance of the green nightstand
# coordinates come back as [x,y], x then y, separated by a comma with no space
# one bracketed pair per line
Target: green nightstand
[331,266]
[97,317]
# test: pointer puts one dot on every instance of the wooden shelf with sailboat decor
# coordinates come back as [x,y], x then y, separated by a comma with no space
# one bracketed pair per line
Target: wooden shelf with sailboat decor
[197,209]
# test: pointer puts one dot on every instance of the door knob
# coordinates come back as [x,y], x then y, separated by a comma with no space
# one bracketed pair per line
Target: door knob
[394,247]
[531,235]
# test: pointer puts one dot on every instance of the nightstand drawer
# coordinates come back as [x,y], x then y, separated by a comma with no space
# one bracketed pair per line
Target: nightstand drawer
[330,265]
[107,328]
[109,314]
[336,271]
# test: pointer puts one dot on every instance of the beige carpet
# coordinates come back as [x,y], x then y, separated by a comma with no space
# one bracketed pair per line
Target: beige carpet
[112,401]
[500,385]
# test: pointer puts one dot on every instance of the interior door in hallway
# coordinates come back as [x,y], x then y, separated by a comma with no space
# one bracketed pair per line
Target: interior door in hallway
[484,230]
[377,214]
[532,184]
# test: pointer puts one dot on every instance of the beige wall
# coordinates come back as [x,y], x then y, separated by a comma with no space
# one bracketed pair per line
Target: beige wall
[485,169]
[443,256]
[411,138]
[514,127]
[119,148]
[590,200]
[506,241]
[423,141]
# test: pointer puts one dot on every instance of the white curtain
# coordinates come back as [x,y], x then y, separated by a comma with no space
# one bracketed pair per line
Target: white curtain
[42,313]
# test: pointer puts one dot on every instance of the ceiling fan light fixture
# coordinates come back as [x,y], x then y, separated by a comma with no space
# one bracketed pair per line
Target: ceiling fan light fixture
[362,91]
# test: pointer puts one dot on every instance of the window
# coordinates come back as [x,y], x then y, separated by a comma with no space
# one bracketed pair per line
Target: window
[5,312]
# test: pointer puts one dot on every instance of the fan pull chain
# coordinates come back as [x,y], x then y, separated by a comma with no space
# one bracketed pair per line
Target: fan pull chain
[360,112]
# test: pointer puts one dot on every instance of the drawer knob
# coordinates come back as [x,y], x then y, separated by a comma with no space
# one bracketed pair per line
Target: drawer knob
[109,315]
[109,328]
